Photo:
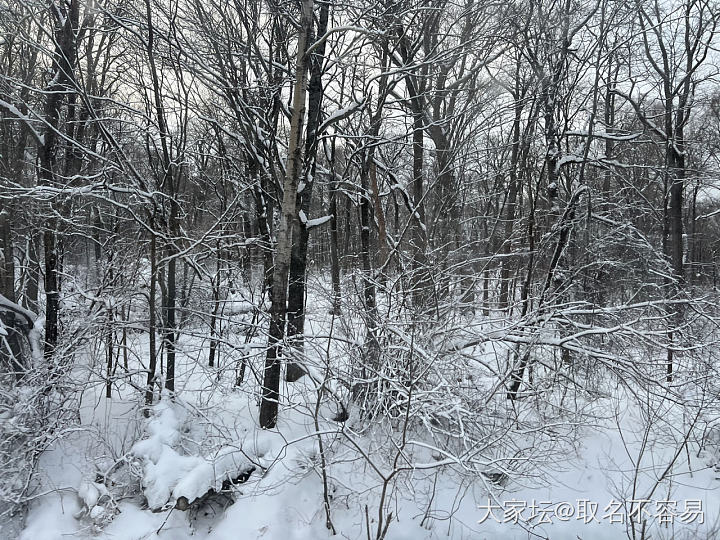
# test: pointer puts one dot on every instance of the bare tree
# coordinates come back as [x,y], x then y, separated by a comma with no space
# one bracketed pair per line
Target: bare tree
[288,220]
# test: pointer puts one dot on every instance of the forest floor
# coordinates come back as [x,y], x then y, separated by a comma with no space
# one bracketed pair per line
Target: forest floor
[622,454]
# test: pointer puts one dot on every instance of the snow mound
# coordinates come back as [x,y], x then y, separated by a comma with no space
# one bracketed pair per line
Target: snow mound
[172,479]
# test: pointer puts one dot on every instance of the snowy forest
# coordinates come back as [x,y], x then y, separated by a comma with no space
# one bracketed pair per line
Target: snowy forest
[359,269]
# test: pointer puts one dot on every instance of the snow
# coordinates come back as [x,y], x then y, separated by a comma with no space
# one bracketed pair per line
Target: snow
[169,475]
[208,435]
[54,520]
[340,114]
[317,221]
[136,524]
[163,466]
[90,493]
[53,516]
[163,472]
[26,120]
[239,303]
[566,159]
[310,223]
[7,305]
[606,135]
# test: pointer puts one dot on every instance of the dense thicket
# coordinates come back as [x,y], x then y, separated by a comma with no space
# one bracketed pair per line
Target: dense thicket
[537,176]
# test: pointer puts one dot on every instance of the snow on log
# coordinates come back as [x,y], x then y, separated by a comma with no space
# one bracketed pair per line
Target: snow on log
[174,480]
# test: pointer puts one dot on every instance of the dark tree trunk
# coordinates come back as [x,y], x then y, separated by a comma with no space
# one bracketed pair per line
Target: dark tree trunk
[152,366]
[216,283]
[372,346]
[511,203]
[264,217]
[32,280]
[7,271]
[334,258]
[64,61]
[676,163]
[109,353]
[170,330]
[420,281]
[347,256]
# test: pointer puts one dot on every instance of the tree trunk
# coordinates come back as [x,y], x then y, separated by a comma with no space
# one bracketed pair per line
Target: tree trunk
[32,272]
[152,366]
[334,259]
[64,60]
[372,347]
[170,330]
[7,271]
[301,236]
[109,352]
[420,281]
[383,250]
[288,221]
[216,282]
[264,218]
[511,203]
[676,164]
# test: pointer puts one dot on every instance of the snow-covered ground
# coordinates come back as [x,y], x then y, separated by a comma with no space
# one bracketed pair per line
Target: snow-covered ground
[577,469]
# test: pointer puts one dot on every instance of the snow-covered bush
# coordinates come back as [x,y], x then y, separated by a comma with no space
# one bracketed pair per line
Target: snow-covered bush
[31,418]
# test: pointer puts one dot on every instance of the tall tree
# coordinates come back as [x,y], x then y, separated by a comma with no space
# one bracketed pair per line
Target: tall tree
[288,221]
[64,59]
[301,234]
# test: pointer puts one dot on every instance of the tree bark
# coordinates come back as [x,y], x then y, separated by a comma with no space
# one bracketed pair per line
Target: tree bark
[334,258]
[152,325]
[170,330]
[64,60]
[7,271]
[420,281]
[288,221]
[301,234]
[511,201]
